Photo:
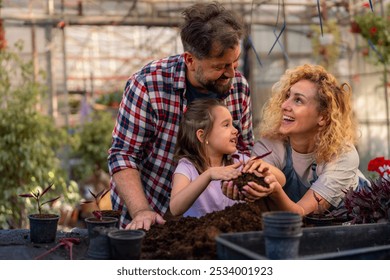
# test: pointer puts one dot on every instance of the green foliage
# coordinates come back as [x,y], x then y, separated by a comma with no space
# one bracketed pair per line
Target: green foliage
[91,143]
[29,141]
[376,28]
[112,99]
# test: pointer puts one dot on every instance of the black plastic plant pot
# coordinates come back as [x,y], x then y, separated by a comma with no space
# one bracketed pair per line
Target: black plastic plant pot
[93,222]
[126,244]
[98,246]
[317,220]
[43,227]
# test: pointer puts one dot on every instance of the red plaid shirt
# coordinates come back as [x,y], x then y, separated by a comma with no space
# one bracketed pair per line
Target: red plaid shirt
[148,120]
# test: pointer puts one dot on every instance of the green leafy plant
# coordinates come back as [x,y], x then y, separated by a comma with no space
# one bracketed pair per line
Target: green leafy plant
[111,99]
[326,46]
[91,142]
[37,196]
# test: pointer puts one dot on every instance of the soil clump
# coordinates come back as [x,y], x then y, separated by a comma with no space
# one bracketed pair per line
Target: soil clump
[243,180]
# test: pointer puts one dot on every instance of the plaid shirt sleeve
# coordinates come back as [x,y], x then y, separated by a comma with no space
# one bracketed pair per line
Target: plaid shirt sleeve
[134,127]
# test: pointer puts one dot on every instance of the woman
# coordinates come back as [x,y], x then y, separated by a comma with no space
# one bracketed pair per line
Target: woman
[309,126]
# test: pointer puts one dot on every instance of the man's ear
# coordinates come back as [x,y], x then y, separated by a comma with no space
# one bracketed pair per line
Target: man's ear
[189,61]
[200,135]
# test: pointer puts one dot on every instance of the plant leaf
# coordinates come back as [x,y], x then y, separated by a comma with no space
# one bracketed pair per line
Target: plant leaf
[263,155]
[94,195]
[47,189]
[105,192]
[51,200]
[26,195]
[98,214]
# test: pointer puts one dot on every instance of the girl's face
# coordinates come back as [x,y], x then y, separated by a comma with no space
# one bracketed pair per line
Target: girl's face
[300,114]
[223,137]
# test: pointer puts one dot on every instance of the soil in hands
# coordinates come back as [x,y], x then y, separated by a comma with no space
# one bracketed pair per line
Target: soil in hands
[243,180]
[194,238]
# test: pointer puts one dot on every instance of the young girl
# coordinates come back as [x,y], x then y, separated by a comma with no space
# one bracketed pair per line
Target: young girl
[205,143]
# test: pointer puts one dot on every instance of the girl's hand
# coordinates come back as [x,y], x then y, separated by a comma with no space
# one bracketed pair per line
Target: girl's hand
[231,191]
[225,173]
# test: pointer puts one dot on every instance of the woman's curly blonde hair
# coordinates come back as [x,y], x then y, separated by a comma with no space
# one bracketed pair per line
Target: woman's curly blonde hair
[334,103]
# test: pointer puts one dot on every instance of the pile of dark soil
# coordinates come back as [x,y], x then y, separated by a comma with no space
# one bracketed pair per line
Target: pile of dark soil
[194,238]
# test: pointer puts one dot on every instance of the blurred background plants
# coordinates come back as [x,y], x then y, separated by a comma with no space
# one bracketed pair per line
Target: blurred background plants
[375,29]
[30,142]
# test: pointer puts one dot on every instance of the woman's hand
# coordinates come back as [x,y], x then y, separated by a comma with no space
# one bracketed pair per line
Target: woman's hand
[264,168]
[252,191]
[256,165]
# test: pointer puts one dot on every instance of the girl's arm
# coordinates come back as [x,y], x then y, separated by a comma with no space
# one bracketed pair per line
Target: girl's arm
[185,192]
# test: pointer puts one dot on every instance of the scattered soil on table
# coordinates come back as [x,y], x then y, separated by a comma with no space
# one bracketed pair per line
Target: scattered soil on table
[194,238]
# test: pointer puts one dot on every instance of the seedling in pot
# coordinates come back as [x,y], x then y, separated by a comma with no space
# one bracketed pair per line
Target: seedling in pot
[37,196]
[243,180]
[96,199]
[320,209]
[321,216]
[99,214]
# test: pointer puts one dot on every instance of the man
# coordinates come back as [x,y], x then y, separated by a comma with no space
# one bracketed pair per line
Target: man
[144,137]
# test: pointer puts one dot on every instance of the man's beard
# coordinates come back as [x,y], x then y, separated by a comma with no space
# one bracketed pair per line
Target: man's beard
[213,86]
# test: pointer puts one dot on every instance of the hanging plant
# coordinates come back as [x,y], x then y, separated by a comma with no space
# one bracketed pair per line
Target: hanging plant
[375,29]
[326,46]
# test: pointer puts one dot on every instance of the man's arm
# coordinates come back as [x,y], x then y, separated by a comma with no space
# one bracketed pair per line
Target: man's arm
[129,187]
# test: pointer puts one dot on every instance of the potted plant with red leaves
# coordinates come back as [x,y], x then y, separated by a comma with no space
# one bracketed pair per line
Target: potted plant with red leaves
[100,214]
[369,206]
[321,217]
[43,226]
[98,226]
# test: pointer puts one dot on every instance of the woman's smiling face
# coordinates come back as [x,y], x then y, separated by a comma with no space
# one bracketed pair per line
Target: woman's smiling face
[300,111]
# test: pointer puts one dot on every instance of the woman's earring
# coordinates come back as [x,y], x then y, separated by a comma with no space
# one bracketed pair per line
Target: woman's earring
[207,142]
